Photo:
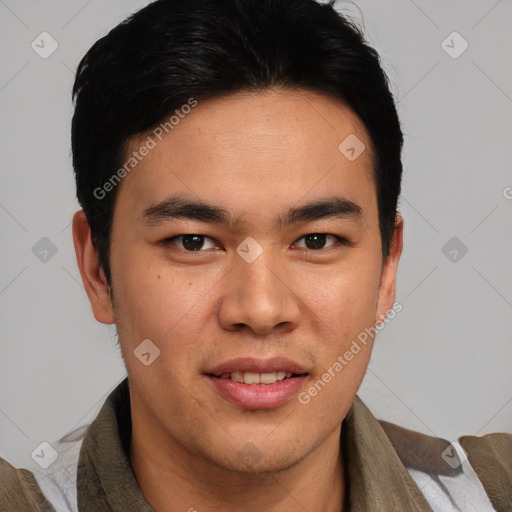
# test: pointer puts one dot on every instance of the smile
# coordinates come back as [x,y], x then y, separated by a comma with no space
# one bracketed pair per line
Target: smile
[257,378]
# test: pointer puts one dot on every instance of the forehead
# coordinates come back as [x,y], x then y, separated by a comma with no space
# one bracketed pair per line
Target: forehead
[255,149]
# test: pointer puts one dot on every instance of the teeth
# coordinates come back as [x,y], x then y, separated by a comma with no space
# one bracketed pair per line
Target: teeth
[237,376]
[251,378]
[268,378]
[257,378]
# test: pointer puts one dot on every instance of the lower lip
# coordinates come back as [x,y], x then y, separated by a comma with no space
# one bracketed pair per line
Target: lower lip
[258,396]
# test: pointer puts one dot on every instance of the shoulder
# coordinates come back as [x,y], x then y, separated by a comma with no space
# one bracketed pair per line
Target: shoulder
[19,490]
[473,474]
[47,489]
[491,458]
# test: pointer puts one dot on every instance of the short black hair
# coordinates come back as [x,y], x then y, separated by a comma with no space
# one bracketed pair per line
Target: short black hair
[170,51]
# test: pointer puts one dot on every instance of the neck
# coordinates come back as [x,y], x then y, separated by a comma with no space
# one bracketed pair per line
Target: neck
[173,479]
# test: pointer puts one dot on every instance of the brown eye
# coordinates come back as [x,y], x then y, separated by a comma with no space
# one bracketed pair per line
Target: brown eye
[317,241]
[190,242]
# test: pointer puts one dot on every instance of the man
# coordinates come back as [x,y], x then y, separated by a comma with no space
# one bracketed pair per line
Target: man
[238,165]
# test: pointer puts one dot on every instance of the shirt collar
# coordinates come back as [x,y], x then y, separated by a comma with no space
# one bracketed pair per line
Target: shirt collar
[375,477]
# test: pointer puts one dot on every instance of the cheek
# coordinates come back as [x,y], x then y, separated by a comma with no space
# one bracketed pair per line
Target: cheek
[147,304]
[163,305]
[344,300]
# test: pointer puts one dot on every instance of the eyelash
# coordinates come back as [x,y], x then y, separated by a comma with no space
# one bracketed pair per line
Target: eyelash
[338,241]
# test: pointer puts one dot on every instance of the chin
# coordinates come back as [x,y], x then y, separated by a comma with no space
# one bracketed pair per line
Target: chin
[258,458]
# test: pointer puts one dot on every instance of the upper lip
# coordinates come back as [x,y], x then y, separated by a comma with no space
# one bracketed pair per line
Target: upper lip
[251,364]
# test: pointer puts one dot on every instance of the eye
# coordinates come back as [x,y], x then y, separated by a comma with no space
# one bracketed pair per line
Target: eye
[316,241]
[190,242]
[201,243]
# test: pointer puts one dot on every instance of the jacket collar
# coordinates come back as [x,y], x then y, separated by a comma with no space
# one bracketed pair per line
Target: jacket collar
[105,480]
[375,477]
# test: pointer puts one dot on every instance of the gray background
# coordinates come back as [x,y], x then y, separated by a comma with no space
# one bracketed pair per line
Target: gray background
[442,366]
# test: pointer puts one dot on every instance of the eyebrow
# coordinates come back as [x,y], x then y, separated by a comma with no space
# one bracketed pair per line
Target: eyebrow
[179,207]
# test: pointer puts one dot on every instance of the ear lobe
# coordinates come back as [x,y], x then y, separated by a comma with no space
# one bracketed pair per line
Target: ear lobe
[387,289]
[93,276]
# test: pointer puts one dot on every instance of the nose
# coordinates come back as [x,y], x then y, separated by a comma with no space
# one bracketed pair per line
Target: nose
[259,297]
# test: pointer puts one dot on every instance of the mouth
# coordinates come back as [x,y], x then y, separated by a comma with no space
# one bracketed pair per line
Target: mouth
[257,384]
[253,378]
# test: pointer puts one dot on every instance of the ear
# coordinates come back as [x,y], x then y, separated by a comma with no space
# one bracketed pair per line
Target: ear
[93,277]
[387,289]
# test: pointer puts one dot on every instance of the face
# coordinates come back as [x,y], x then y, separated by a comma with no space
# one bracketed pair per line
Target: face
[274,274]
